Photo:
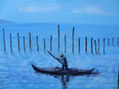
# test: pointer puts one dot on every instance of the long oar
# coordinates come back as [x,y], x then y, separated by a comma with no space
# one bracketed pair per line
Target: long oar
[53,55]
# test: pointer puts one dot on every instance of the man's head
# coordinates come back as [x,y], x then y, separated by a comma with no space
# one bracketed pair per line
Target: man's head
[61,55]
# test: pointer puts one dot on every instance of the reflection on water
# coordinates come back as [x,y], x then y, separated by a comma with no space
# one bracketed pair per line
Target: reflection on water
[1,81]
[65,79]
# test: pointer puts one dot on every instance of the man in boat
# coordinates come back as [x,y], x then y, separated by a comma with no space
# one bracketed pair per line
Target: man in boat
[63,61]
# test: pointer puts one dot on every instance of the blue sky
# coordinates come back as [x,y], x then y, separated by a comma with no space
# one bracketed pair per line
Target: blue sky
[60,11]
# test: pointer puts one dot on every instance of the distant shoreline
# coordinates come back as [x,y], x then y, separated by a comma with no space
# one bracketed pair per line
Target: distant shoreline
[5,21]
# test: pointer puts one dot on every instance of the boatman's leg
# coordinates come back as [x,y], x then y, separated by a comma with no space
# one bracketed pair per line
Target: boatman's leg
[66,67]
[63,66]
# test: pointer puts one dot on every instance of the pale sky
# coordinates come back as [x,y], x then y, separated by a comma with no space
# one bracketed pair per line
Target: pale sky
[60,11]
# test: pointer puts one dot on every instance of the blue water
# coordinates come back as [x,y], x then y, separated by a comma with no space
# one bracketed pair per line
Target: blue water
[16,71]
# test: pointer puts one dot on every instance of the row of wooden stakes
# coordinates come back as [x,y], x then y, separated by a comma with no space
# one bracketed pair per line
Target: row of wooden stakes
[93,41]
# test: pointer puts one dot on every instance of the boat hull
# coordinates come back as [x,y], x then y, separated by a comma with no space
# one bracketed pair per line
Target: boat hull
[59,71]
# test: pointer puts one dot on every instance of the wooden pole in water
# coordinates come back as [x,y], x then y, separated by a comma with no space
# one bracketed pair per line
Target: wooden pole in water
[18,38]
[112,41]
[118,79]
[10,42]
[118,75]
[65,44]
[4,43]
[108,42]
[92,45]
[30,41]
[95,46]
[73,39]
[44,45]
[86,44]
[58,37]
[103,45]
[24,46]
[37,43]
[51,42]
[98,45]
[117,41]
[79,45]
